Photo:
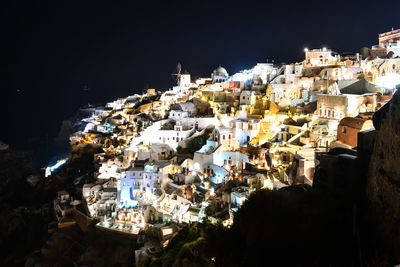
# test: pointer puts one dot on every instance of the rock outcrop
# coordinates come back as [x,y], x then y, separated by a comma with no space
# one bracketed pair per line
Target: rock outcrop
[383,185]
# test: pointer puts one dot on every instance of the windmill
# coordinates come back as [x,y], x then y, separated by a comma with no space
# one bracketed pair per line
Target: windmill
[178,73]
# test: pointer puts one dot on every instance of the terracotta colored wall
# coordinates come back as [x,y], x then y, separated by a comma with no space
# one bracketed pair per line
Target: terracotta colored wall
[350,137]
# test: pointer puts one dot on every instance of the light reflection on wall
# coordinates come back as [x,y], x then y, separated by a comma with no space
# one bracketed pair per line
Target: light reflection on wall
[390,80]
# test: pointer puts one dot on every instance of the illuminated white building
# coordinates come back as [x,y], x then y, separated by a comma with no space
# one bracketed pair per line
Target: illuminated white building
[355,96]
[159,133]
[172,137]
[248,97]
[340,73]
[178,93]
[182,110]
[153,152]
[224,135]
[286,85]
[204,158]
[320,57]
[265,71]
[239,195]
[389,37]
[110,169]
[146,179]
[388,73]
[184,80]
[390,41]
[219,75]
[117,104]
[229,159]
[244,129]
[215,160]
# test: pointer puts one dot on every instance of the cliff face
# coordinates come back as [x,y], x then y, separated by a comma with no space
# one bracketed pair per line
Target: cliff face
[383,186]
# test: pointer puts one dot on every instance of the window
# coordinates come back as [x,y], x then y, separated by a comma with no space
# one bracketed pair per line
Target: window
[344,129]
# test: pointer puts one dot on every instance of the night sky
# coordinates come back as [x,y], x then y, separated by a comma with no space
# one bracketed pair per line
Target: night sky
[52,49]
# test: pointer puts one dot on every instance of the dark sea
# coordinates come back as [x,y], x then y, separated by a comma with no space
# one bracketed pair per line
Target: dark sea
[32,120]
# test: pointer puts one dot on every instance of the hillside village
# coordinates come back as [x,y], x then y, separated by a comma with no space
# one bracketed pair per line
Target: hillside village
[197,151]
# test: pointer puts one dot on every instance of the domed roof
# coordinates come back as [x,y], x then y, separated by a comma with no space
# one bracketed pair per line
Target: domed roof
[220,71]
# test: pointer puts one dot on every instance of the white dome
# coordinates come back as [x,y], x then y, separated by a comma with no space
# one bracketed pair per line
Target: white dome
[220,71]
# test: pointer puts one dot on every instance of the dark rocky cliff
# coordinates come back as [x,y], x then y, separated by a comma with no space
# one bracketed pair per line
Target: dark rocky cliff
[383,184]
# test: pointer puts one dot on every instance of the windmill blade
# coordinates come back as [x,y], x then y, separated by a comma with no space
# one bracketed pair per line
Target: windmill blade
[178,73]
[178,68]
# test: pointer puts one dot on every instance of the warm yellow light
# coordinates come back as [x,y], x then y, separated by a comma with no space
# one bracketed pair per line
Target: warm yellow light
[268,184]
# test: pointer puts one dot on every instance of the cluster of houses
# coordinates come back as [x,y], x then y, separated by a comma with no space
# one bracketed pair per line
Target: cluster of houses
[171,156]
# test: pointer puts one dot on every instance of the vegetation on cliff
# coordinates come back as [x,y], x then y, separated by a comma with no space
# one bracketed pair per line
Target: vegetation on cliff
[278,228]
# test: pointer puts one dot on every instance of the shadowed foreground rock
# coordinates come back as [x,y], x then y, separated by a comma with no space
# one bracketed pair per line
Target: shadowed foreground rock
[383,186]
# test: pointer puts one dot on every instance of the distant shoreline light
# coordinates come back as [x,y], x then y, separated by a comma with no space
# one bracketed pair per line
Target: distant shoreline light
[51,169]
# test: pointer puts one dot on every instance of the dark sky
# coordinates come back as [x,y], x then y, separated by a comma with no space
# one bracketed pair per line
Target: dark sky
[53,48]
